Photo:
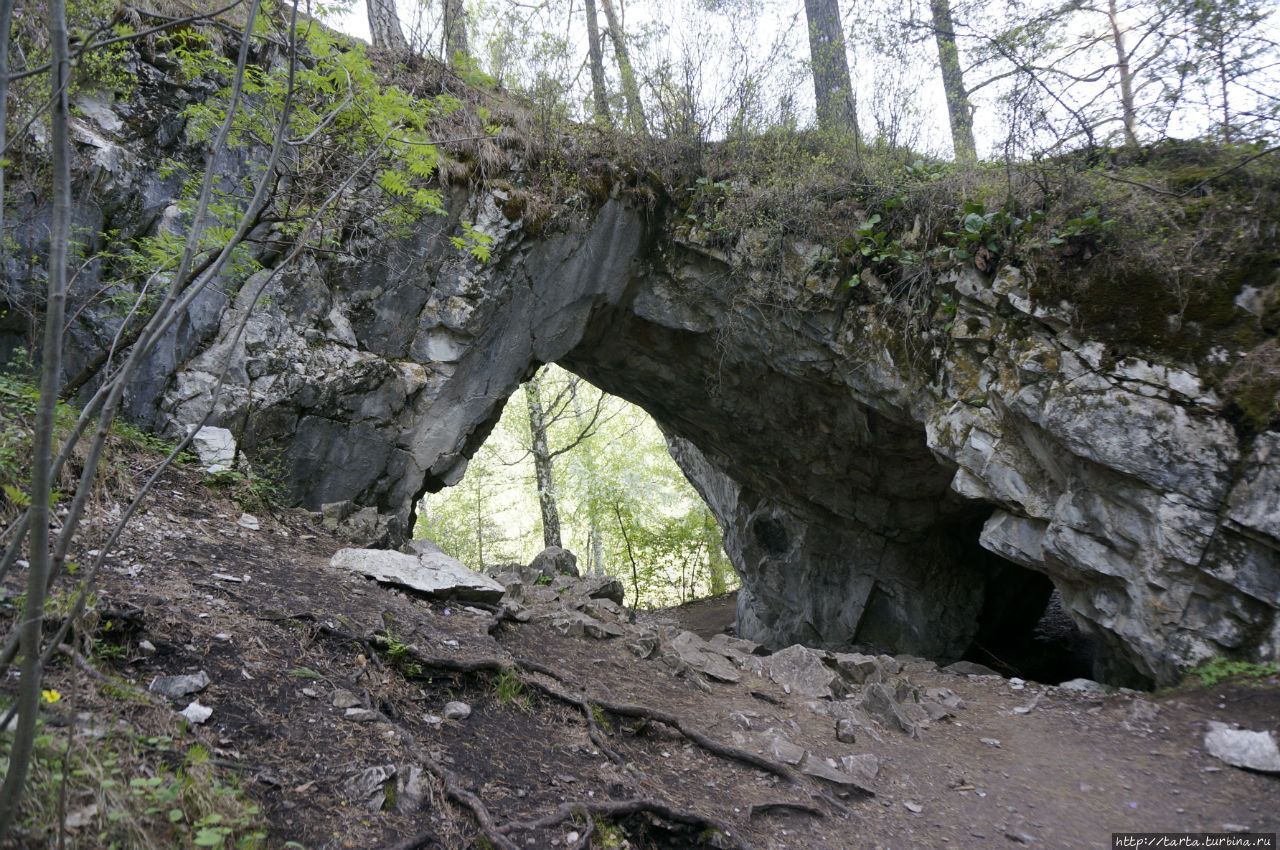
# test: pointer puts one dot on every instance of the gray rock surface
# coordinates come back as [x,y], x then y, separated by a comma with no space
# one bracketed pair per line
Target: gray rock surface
[554,562]
[434,573]
[858,668]
[701,656]
[784,749]
[803,671]
[879,703]
[412,786]
[456,710]
[1242,748]
[864,767]
[216,448]
[368,787]
[819,769]
[176,687]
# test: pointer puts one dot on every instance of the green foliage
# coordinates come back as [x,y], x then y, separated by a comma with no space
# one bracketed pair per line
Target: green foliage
[19,396]
[598,715]
[132,800]
[1218,670]
[608,836]
[473,242]
[983,229]
[876,247]
[400,654]
[1088,223]
[254,485]
[509,690]
[135,438]
[340,104]
[304,673]
[707,203]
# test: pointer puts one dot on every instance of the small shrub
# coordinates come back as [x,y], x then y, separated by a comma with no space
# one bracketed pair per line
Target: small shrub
[1218,670]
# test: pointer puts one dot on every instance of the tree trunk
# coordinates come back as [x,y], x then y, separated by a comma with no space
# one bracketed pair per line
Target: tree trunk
[384,27]
[542,465]
[595,59]
[456,48]
[6,18]
[1130,113]
[717,564]
[596,550]
[631,91]
[31,626]
[832,89]
[958,107]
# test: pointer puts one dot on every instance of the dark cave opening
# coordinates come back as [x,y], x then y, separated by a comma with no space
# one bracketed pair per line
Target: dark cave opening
[1024,630]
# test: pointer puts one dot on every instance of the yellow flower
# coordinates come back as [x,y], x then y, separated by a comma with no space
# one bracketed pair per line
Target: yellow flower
[51,696]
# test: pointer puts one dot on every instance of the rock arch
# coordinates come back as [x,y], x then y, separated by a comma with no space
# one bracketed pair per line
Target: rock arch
[865,495]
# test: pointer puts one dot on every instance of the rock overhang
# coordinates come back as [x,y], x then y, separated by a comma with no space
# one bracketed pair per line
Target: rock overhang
[863,496]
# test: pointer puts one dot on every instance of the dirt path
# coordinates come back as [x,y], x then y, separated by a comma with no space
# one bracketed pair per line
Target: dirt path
[280,633]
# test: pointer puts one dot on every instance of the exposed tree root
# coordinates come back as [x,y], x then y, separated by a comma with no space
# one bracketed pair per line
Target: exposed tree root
[417,842]
[597,737]
[622,808]
[784,805]
[674,721]
[497,834]
[454,791]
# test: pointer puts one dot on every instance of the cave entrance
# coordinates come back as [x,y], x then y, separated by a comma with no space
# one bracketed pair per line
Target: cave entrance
[568,456]
[1024,630]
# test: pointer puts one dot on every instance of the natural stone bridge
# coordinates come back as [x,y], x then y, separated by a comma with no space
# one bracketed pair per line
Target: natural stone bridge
[865,497]
[916,496]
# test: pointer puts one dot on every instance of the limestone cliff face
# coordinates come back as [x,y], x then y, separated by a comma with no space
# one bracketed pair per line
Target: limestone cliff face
[911,496]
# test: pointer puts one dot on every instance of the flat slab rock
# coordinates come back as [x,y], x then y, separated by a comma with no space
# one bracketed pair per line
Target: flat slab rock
[1242,748]
[701,656]
[801,669]
[176,687]
[432,573]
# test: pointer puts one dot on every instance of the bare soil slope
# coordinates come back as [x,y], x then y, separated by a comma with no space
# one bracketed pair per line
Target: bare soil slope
[543,761]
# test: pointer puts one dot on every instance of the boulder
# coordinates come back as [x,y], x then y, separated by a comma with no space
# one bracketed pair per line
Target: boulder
[1242,748]
[695,652]
[858,668]
[433,574]
[864,767]
[878,702]
[421,546]
[600,587]
[553,562]
[361,526]
[216,448]
[820,769]
[175,687]
[802,670]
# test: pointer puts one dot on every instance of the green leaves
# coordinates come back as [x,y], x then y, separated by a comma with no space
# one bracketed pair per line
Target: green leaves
[877,248]
[473,242]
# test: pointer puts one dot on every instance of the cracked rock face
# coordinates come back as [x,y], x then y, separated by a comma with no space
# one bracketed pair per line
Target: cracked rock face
[869,494]
[860,502]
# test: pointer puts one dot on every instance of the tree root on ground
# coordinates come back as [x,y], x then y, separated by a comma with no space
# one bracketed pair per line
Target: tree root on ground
[497,834]
[784,805]
[622,808]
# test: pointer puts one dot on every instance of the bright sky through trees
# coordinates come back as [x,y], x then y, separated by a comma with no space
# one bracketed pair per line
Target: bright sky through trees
[624,506]
[1035,71]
